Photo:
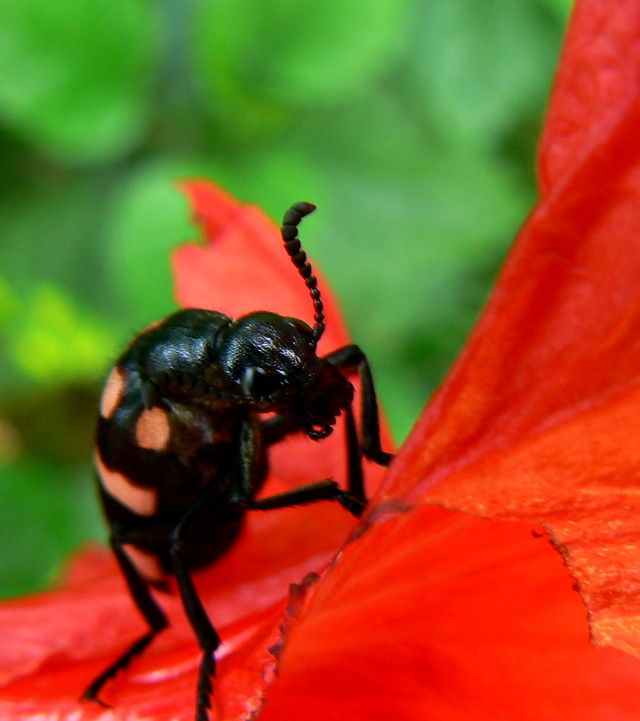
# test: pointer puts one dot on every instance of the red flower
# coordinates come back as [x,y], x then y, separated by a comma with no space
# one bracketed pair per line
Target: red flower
[55,643]
[427,612]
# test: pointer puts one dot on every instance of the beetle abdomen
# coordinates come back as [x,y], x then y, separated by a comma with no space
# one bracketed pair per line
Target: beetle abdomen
[155,462]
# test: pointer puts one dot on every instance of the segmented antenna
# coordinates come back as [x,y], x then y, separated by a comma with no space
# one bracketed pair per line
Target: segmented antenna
[289,231]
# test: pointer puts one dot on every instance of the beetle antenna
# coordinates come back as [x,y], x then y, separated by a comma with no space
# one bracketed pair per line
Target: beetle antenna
[289,232]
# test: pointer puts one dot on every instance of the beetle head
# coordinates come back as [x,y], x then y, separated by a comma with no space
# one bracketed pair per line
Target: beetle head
[262,354]
[271,365]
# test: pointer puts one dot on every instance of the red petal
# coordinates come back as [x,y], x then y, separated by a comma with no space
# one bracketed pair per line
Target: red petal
[537,419]
[446,617]
[596,84]
[54,644]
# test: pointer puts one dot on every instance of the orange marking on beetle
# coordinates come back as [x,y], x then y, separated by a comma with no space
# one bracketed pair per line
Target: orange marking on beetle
[145,562]
[153,430]
[112,393]
[139,499]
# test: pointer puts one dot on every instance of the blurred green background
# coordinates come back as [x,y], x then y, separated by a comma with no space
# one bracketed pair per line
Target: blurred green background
[411,123]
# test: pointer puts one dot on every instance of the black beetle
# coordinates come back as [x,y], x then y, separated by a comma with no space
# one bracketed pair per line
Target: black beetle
[183,439]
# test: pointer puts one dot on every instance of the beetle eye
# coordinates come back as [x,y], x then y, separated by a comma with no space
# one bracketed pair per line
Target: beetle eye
[258,384]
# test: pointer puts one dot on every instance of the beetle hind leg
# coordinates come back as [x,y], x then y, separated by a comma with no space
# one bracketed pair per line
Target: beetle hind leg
[91,693]
[156,619]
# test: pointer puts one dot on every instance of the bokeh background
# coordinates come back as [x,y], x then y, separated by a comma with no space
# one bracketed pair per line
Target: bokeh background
[412,124]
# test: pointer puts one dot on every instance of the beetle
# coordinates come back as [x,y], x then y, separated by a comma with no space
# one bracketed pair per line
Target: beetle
[187,416]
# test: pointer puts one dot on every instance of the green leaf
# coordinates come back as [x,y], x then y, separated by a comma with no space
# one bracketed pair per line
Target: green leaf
[77,74]
[149,218]
[271,177]
[56,342]
[258,59]
[560,8]
[46,511]
[9,304]
[409,219]
[478,67]
[53,233]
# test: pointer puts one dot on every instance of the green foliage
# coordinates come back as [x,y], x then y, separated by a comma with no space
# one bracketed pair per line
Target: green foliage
[78,74]
[411,124]
[560,8]
[149,218]
[46,510]
[282,58]
[53,341]
[480,66]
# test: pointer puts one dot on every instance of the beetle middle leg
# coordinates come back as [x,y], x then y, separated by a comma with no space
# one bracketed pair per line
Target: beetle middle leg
[206,634]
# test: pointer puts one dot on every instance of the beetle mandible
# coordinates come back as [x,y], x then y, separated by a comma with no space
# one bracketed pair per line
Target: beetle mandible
[183,437]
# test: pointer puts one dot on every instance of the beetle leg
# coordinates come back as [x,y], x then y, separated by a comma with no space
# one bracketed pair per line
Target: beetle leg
[354,460]
[276,428]
[251,469]
[147,606]
[326,490]
[352,357]
[207,637]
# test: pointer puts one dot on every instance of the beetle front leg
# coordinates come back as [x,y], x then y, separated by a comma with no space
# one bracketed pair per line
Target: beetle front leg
[352,357]
[326,490]
[276,428]
[251,470]
[355,476]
